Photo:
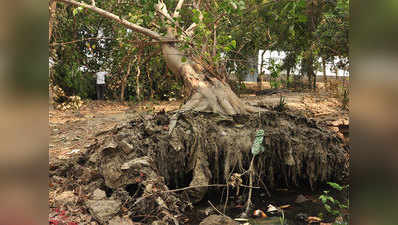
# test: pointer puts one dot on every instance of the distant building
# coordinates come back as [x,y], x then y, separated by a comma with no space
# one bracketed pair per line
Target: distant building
[278,57]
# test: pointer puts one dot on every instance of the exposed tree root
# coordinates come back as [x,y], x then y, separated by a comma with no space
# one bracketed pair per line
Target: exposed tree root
[218,98]
[141,161]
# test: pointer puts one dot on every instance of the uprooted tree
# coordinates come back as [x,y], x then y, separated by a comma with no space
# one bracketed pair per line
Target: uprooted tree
[139,161]
[207,83]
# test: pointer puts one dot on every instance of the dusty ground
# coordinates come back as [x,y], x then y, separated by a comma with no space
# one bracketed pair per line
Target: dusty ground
[73,131]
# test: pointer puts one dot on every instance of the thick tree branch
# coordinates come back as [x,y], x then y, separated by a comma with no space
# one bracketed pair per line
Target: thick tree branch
[178,8]
[171,31]
[134,27]
[190,30]
[162,9]
[105,38]
[51,21]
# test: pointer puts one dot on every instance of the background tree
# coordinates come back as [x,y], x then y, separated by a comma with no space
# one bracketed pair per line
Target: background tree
[307,30]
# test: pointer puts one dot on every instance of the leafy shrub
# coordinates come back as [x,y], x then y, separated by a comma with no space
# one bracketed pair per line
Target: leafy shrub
[282,104]
[275,70]
[74,82]
[331,204]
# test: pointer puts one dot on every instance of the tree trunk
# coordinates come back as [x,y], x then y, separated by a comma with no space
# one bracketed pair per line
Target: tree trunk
[50,95]
[52,10]
[312,72]
[137,83]
[150,82]
[325,79]
[309,66]
[261,77]
[287,77]
[124,82]
[208,94]
[214,53]
[122,90]
[314,81]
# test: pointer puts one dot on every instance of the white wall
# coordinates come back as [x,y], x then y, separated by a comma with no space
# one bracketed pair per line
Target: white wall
[279,56]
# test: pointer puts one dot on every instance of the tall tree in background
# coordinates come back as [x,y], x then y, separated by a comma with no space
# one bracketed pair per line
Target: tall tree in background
[307,30]
[331,35]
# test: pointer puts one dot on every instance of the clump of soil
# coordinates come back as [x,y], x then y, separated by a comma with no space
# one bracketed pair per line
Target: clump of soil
[137,163]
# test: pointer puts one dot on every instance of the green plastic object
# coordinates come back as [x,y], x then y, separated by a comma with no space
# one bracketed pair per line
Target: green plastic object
[257,146]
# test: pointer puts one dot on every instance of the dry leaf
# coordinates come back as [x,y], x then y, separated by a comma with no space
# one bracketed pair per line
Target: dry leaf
[284,206]
[313,219]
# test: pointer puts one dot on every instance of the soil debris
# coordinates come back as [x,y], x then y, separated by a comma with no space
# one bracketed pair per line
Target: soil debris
[217,219]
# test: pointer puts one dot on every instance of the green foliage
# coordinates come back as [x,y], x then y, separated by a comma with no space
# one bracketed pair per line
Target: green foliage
[183,59]
[335,186]
[306,29]
[332,33]
[331,204]
[75,82]
[282,104]
[275,70]
[77,10]
[282,219]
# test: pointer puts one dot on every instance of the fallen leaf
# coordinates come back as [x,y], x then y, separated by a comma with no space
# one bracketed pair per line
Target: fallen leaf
[241,219]
[313,219]
[271,208]
[284,206]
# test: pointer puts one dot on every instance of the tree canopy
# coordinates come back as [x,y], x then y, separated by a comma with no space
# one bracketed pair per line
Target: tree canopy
[220,36]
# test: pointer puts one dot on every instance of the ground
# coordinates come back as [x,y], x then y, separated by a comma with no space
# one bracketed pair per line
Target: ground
[76,129]
[73,131]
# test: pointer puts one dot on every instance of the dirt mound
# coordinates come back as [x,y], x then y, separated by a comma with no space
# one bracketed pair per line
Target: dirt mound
[139,162]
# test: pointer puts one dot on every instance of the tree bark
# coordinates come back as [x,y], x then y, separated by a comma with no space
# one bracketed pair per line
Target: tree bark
[51,21]
[260,77]
[314,81]
[312,72]
[309,66]
[124,82]
[150,82]
[137,82]
[116,18]
[325,79]
[207,93]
